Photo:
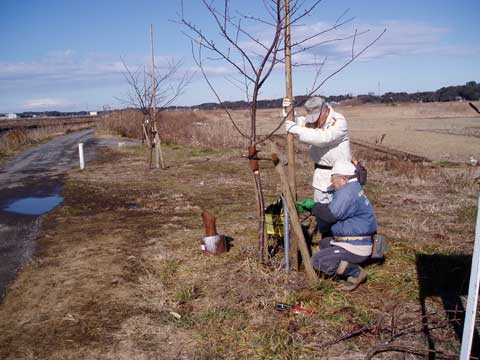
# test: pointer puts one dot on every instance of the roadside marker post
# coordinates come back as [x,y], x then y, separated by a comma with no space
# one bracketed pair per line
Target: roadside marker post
[472,302]
[80,154]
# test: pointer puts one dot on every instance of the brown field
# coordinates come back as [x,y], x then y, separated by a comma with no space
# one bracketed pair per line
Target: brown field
[437,131]
[115,282]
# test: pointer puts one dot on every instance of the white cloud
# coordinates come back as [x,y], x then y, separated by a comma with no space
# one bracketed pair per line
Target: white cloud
[44,103]
[403,38]
[58,66]
[213,70]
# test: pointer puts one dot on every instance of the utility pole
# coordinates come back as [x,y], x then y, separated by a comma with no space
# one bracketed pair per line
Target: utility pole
[290,116]
[158,150]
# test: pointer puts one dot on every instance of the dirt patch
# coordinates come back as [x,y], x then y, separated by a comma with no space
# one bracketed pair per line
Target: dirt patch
[113,281]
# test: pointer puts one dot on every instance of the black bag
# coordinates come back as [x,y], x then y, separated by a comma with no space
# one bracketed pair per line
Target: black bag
[360,172]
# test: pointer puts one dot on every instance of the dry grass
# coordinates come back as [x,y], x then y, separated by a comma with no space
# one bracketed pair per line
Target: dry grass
[437,131]
[125,123]
[210,130]
[15,140]
[113,282]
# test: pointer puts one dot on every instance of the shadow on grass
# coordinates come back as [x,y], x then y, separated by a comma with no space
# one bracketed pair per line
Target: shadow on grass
[445,276]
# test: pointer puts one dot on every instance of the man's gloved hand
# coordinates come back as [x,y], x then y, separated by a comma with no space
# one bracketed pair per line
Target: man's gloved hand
[301,121]
[292,127]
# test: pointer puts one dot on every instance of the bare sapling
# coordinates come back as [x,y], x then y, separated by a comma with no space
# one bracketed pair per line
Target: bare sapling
[149,91]
[253,56]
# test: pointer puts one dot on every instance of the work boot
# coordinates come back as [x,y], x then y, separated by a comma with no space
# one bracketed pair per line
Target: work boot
[354,282]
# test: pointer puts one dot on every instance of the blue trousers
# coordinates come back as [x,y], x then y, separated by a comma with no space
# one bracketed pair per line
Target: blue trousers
[329,257]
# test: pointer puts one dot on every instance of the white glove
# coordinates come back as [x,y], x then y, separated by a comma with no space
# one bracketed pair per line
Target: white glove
[292,127]
[301,121]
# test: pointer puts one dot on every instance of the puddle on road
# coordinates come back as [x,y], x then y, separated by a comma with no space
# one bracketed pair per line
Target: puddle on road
[34,205]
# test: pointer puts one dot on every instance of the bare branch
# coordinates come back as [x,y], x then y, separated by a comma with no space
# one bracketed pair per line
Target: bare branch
[323,32]
[198,61]
[227,36]
[305,12]
[352,59]
[474,107]
[210,45]
[353,43]
[166,89]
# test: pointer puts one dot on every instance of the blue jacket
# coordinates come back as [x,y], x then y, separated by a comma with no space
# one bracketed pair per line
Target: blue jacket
[354,213]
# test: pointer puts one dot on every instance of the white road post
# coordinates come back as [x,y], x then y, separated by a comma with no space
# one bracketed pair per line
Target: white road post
[469,325]
[80,153]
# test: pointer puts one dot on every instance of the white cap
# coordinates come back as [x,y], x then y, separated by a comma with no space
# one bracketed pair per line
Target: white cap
[343,167]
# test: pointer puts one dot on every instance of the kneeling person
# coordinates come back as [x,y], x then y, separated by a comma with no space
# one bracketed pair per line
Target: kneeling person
[351,219]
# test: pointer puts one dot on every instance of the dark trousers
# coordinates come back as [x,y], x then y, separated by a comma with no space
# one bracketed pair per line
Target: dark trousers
[329,257]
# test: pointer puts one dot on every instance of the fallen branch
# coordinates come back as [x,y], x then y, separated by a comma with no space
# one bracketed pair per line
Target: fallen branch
[392,329]
[408,349]
[474,107]
[361,331]
[258,157]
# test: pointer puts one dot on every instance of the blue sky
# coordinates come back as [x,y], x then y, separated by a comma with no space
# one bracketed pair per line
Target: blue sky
[66,55]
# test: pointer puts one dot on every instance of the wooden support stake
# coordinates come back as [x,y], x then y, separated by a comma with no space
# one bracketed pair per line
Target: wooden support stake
[158,150]
[145,134]
[291,116]
[296,227]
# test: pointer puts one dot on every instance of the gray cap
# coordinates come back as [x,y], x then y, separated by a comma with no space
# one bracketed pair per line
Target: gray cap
[315,104]
[314,107]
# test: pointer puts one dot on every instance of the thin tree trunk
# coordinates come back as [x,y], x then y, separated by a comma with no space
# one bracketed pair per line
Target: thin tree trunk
[254,166]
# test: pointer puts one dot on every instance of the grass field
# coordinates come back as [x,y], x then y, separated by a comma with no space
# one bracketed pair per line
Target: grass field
[437,131]
[113,281]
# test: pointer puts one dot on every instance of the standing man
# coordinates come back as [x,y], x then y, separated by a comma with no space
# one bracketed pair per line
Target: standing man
[327,133]
[351,219]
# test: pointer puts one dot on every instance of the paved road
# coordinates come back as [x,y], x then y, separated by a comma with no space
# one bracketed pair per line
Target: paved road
[36,172]
[47,160]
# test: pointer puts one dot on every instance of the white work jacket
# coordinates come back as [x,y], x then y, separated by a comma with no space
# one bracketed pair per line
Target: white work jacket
[329,144]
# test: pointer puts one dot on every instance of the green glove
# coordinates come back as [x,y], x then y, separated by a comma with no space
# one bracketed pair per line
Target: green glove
[304,205]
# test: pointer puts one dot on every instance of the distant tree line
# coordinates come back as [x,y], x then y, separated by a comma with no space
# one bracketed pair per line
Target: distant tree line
[470,92]
[29,114]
